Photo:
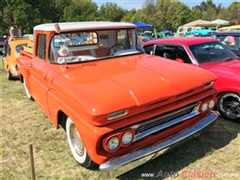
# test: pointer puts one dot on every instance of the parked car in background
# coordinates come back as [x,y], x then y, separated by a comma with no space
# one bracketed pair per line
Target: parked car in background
[1,44]
[147,34]
[234,28]
[199,32]
[209,54]
[120,107]
[143,39]
[230,40]
[13,52]
[27,35]
[166,34]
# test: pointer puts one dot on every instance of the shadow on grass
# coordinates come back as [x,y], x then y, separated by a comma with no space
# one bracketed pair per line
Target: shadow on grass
[215,138]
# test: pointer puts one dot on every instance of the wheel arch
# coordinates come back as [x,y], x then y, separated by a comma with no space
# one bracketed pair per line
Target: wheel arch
[21,78]
[228,89]
[61,119]
[82,129]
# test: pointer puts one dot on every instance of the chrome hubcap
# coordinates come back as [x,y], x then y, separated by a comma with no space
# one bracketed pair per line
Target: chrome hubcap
[76,141]
[230,105]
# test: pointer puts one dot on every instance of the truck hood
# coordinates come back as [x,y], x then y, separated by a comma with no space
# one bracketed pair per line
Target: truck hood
[110,85]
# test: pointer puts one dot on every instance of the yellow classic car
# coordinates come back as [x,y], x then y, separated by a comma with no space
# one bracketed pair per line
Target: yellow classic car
[13,52]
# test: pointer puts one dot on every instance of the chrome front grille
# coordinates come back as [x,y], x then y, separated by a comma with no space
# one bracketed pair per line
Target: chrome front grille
[161,122]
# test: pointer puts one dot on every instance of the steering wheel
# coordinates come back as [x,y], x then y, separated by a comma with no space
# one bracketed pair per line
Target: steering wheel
[115,48]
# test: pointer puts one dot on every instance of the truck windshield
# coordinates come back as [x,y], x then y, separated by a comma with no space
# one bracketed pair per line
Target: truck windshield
[81,46]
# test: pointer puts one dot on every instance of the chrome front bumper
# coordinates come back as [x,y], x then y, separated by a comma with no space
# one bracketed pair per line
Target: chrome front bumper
[133,159]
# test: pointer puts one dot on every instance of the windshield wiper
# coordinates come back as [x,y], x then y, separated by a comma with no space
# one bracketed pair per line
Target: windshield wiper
[229,59]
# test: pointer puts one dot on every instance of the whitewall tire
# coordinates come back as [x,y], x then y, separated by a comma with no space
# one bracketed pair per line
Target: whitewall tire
[76,145]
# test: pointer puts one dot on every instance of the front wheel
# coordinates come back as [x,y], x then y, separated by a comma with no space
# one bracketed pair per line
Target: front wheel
[77,147]
[228,106]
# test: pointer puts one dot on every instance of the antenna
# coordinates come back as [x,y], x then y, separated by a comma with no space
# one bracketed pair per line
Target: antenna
[65,62]
[57,28]
[63,48]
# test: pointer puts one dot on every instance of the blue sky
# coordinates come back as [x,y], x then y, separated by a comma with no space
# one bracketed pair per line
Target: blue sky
[129,4]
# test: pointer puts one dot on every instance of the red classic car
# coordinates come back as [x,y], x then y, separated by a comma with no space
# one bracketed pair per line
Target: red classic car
[120,107]
[209,54]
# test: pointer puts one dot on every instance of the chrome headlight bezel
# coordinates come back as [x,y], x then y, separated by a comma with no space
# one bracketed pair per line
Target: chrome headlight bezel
[204,107]
[211,104]
[113,143]
[127,138]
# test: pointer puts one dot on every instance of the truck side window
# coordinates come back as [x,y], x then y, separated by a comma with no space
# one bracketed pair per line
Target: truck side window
[41,47]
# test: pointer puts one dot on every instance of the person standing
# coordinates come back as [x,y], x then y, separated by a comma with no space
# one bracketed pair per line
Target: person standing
[5,44]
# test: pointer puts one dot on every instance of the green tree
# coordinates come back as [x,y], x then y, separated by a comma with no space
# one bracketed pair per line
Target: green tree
[25,14]
[60,8]
[204,5]
[80,10]
[225,14]
[209,10]
[210,15]
[181,15]
[234,8]
[139,16]
[20,13]
[149,10]
[170,14]
[128,16]
[196,13]
[111,12]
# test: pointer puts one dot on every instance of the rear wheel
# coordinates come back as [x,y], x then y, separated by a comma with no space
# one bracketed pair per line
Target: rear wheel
[26,90]
[77,147]
[9,75]
[228,106]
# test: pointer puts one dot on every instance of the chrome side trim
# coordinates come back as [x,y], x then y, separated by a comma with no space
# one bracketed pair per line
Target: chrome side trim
[208,84]
[117,114]
[124,163]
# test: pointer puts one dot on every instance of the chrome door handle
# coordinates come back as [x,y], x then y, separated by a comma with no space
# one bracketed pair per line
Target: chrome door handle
[29,64]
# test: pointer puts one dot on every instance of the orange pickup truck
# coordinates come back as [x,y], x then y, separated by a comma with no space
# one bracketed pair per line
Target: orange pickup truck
[120,107]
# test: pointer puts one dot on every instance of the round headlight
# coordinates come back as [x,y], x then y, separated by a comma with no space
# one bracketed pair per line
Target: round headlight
[113,143]
[211,104]
[204,107]
[127,138]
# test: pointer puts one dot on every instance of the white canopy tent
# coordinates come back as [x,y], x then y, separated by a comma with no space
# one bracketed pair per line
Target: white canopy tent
[199,23]
[221,22]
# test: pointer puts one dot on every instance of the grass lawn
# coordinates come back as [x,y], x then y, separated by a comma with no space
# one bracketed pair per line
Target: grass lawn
[23,123]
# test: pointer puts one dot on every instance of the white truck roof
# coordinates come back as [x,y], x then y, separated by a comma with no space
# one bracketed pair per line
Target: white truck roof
[68,26]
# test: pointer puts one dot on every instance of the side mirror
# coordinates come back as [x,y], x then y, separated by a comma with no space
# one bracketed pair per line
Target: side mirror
[179,60]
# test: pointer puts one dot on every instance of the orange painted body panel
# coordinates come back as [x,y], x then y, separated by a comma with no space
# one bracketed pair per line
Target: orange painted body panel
[89,91]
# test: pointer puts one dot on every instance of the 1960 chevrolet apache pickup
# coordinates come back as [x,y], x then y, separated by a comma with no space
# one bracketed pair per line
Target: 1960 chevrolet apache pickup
[119,106]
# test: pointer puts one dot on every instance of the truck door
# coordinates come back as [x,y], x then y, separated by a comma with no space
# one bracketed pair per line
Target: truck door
[38,69]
